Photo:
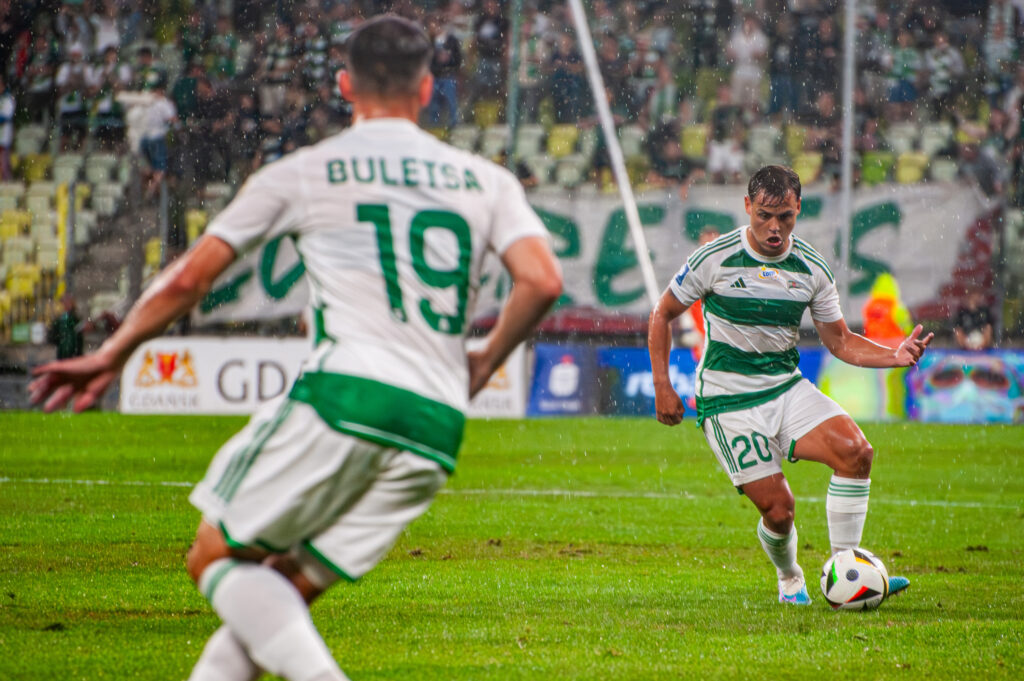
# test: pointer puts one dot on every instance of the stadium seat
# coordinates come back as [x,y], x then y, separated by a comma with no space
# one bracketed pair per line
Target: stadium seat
[540,166]
[944,170]
[14,223]
[935,138]
[195,224]
[910,167]
[901,137]
[66,167]
[875,167]
[571,170]
[562,140]
[486,113]
[15,189]
[38,204]
[695,141]
[464,137]
[153,252]
[763,141]
[85,224]
[48,254]
[35,167]
[808,166]
[528,140]
[8,203]
[98,167]
[17,250]
[29,139]
[493,140]
[632,137]
[587,142]
[795,137]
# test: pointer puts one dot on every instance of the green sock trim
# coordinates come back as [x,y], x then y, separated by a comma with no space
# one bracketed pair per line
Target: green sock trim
[211,584]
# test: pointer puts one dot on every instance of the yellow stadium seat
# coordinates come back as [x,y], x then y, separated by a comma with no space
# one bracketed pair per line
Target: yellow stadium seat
[486,113]
[195,224]
[562,140]
[911,166]
[796,137]
[808,166]
[35,167]
[695,140]
[15,223]
[153,253]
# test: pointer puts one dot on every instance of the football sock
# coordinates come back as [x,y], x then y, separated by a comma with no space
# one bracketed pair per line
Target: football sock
[224,659]
[270,619]
[846,507]
[781,550]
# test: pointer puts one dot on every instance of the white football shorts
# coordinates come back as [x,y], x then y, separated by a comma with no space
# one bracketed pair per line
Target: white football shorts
[287,482]
[750,444]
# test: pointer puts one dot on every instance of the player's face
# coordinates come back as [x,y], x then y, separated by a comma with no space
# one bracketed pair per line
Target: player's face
[771,223]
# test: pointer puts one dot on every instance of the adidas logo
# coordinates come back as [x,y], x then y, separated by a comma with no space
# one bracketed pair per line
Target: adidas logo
[739,283]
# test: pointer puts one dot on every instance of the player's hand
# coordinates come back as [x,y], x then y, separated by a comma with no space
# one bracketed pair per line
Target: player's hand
[668,405]
[81,380]
[911,349]
[480,370]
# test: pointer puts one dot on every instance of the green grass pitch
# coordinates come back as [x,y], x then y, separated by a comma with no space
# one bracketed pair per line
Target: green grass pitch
[562,549]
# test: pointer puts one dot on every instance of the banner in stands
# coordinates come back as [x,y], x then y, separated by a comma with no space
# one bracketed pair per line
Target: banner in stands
[564,380]
[950,386]
[912,231]
[193,375]
[504,396]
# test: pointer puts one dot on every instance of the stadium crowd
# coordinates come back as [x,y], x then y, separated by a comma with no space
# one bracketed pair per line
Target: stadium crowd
[203,92]
[699,80]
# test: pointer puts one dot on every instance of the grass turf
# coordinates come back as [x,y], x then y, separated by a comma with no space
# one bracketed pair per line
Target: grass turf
[567,549]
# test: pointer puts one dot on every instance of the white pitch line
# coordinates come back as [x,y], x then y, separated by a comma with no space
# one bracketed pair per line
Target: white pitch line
[583,494]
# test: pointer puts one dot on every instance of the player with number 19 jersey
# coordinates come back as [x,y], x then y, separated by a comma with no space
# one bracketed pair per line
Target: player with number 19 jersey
[392,226]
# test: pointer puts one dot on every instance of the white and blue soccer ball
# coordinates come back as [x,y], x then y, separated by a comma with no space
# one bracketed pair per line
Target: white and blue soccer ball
[854,579]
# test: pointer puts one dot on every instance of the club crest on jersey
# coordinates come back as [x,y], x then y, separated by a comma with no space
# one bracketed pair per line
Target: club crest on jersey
[769,273]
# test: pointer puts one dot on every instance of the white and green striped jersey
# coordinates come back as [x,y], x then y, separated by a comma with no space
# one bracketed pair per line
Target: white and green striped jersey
[393,227]
[752,308]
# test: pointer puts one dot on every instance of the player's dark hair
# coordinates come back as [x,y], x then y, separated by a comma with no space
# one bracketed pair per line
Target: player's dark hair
[388,55]
[773,183]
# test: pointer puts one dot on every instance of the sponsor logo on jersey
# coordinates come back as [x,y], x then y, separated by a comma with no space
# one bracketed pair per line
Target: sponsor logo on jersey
[769,273]
[166,368]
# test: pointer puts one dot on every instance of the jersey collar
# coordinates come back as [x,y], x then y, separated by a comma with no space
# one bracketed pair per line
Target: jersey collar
[744,238]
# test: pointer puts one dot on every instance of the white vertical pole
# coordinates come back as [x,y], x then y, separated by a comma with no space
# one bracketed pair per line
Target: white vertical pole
[611,138]
[846,192]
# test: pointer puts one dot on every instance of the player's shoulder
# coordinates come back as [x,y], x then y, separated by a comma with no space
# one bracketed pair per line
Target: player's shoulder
[814,259]
[714,252]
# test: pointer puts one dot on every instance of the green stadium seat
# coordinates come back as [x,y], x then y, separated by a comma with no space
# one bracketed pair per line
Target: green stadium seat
[875,167]
[808,166]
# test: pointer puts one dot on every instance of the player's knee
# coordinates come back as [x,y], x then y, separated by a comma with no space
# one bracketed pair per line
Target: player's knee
[208,546]
[779,517]
[858,459]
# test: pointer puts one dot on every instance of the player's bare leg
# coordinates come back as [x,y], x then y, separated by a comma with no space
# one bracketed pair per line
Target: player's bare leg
[777,534]
[839,444]
[265,611]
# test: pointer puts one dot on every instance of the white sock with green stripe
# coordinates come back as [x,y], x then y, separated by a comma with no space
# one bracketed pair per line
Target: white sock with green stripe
[846,507]
[781,550]
[270,619]
[224,659]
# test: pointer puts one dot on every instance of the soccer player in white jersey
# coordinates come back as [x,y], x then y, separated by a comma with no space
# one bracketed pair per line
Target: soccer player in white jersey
[392,226]
[752,403]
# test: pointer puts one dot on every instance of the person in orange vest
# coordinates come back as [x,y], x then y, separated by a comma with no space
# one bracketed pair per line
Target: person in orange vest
[886,319]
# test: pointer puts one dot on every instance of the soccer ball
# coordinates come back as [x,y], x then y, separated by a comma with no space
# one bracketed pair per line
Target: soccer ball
[854,579]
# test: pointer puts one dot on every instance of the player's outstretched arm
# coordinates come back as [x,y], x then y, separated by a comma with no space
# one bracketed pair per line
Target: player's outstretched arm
[855,349]
[536,285]
[667,403]
[83,380]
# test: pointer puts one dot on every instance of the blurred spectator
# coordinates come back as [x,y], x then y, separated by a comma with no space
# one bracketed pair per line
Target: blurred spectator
[106,27]
[72,83]
[783,99]
[38,81]
[106,79]
[980,168]
[223,50]
[183,94]
[446,66]
[663,101]
[874,48]
[249,128]
[972,323]
[643,70]
[65,331]
[747,49]
[533,58]
[7,110]
[824,133]
[668,165]
[73,28]
[315,56]
[276,71]
[904,69]
[945,66]
[213,130]
[1000,51]
[490,31]
[614,67]
[566,69]
[147,69]
[726,155]
[149,118]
